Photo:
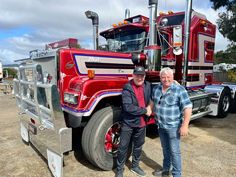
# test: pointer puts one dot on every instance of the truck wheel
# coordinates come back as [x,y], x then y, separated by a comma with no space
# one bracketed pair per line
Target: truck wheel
[224,103]
[233,105]
[104,137]
[86,136]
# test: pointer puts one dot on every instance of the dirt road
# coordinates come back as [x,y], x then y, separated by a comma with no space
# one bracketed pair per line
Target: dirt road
[209,150]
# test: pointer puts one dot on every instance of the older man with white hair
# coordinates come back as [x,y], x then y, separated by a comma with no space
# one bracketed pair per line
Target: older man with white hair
[172,108]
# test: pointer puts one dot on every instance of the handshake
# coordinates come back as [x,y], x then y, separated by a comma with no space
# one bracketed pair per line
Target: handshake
[149,110]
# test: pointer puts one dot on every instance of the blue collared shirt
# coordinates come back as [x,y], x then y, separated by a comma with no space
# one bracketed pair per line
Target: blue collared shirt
[169,106]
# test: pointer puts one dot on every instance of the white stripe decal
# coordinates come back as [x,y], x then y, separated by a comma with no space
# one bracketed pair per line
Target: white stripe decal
[80,61]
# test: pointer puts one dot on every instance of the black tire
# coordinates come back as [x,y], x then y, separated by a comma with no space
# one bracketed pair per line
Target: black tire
[224,103]
[233,105]
[85,142]
[94,137]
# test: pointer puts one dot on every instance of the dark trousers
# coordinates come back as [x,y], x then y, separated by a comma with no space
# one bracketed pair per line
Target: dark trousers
[134,135]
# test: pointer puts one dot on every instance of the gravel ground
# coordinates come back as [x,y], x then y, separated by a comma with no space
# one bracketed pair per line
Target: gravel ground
[208,151]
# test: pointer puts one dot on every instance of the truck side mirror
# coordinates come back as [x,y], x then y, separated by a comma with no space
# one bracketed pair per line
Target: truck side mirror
[177,40]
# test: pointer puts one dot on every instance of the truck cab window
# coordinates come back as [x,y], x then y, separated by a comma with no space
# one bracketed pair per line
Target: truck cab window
[127,41]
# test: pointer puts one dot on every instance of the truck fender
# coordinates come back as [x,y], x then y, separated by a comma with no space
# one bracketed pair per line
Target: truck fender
[99,98]
[220,102]
[233,96]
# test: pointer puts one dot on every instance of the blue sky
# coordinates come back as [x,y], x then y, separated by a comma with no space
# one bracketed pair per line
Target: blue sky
[30,24]
[8,33]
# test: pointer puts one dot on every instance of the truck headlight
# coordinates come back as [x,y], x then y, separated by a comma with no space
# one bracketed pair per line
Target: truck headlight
[71,98]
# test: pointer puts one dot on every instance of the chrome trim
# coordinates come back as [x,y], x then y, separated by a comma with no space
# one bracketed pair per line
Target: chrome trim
[43,106]
[89,112]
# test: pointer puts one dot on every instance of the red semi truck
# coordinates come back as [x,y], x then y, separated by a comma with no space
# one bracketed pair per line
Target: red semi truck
[63,88]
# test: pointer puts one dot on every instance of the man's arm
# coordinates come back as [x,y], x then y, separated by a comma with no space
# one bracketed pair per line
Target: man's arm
[187,112]
[184,127]
[128,105]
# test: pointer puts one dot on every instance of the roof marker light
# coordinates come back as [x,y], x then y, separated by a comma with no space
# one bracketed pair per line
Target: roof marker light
[114,25]
[126,22]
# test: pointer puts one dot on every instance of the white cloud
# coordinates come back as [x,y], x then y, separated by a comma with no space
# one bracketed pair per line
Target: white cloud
[25,42]
[53,20]
[8,56]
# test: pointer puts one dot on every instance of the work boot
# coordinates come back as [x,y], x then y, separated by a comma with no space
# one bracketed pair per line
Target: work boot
[138,171]
[161,172]
[119,173]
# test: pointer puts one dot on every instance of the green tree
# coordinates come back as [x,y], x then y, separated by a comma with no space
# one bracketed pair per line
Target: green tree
[231,75]
[227,56]
[227,27]
[12,73]
[227,20]
[78,46]
[223,3]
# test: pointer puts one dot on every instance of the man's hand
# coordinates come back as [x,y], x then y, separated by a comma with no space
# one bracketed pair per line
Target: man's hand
[183,130]
[149,110]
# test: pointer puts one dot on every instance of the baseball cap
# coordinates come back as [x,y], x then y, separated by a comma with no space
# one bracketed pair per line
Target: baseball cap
[139,70]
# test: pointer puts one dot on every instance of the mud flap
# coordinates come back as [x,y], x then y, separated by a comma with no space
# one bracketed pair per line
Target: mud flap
[55,163]
[24,133]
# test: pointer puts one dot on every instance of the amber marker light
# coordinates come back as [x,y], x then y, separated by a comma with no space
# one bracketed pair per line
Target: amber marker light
[177,44]
[114,25]
[126,22]
[120,24]
[91,74]
[161,13]
[203,22]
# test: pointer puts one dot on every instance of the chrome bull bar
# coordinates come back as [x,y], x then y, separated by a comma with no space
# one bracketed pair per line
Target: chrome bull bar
[41,117]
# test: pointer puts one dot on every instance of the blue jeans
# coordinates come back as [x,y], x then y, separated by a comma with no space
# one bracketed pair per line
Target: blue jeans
[170,142]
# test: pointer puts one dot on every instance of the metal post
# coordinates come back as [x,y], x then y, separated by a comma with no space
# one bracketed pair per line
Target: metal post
[187,22]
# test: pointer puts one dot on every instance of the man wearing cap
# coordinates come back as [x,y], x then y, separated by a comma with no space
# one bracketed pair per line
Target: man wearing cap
[136,98]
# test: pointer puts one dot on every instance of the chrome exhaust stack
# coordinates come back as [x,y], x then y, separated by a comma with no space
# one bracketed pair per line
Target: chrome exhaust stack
[153,51]
[95,21]
[127,13]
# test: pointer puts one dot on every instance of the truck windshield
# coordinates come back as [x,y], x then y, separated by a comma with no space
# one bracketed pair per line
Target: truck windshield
[127,41]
